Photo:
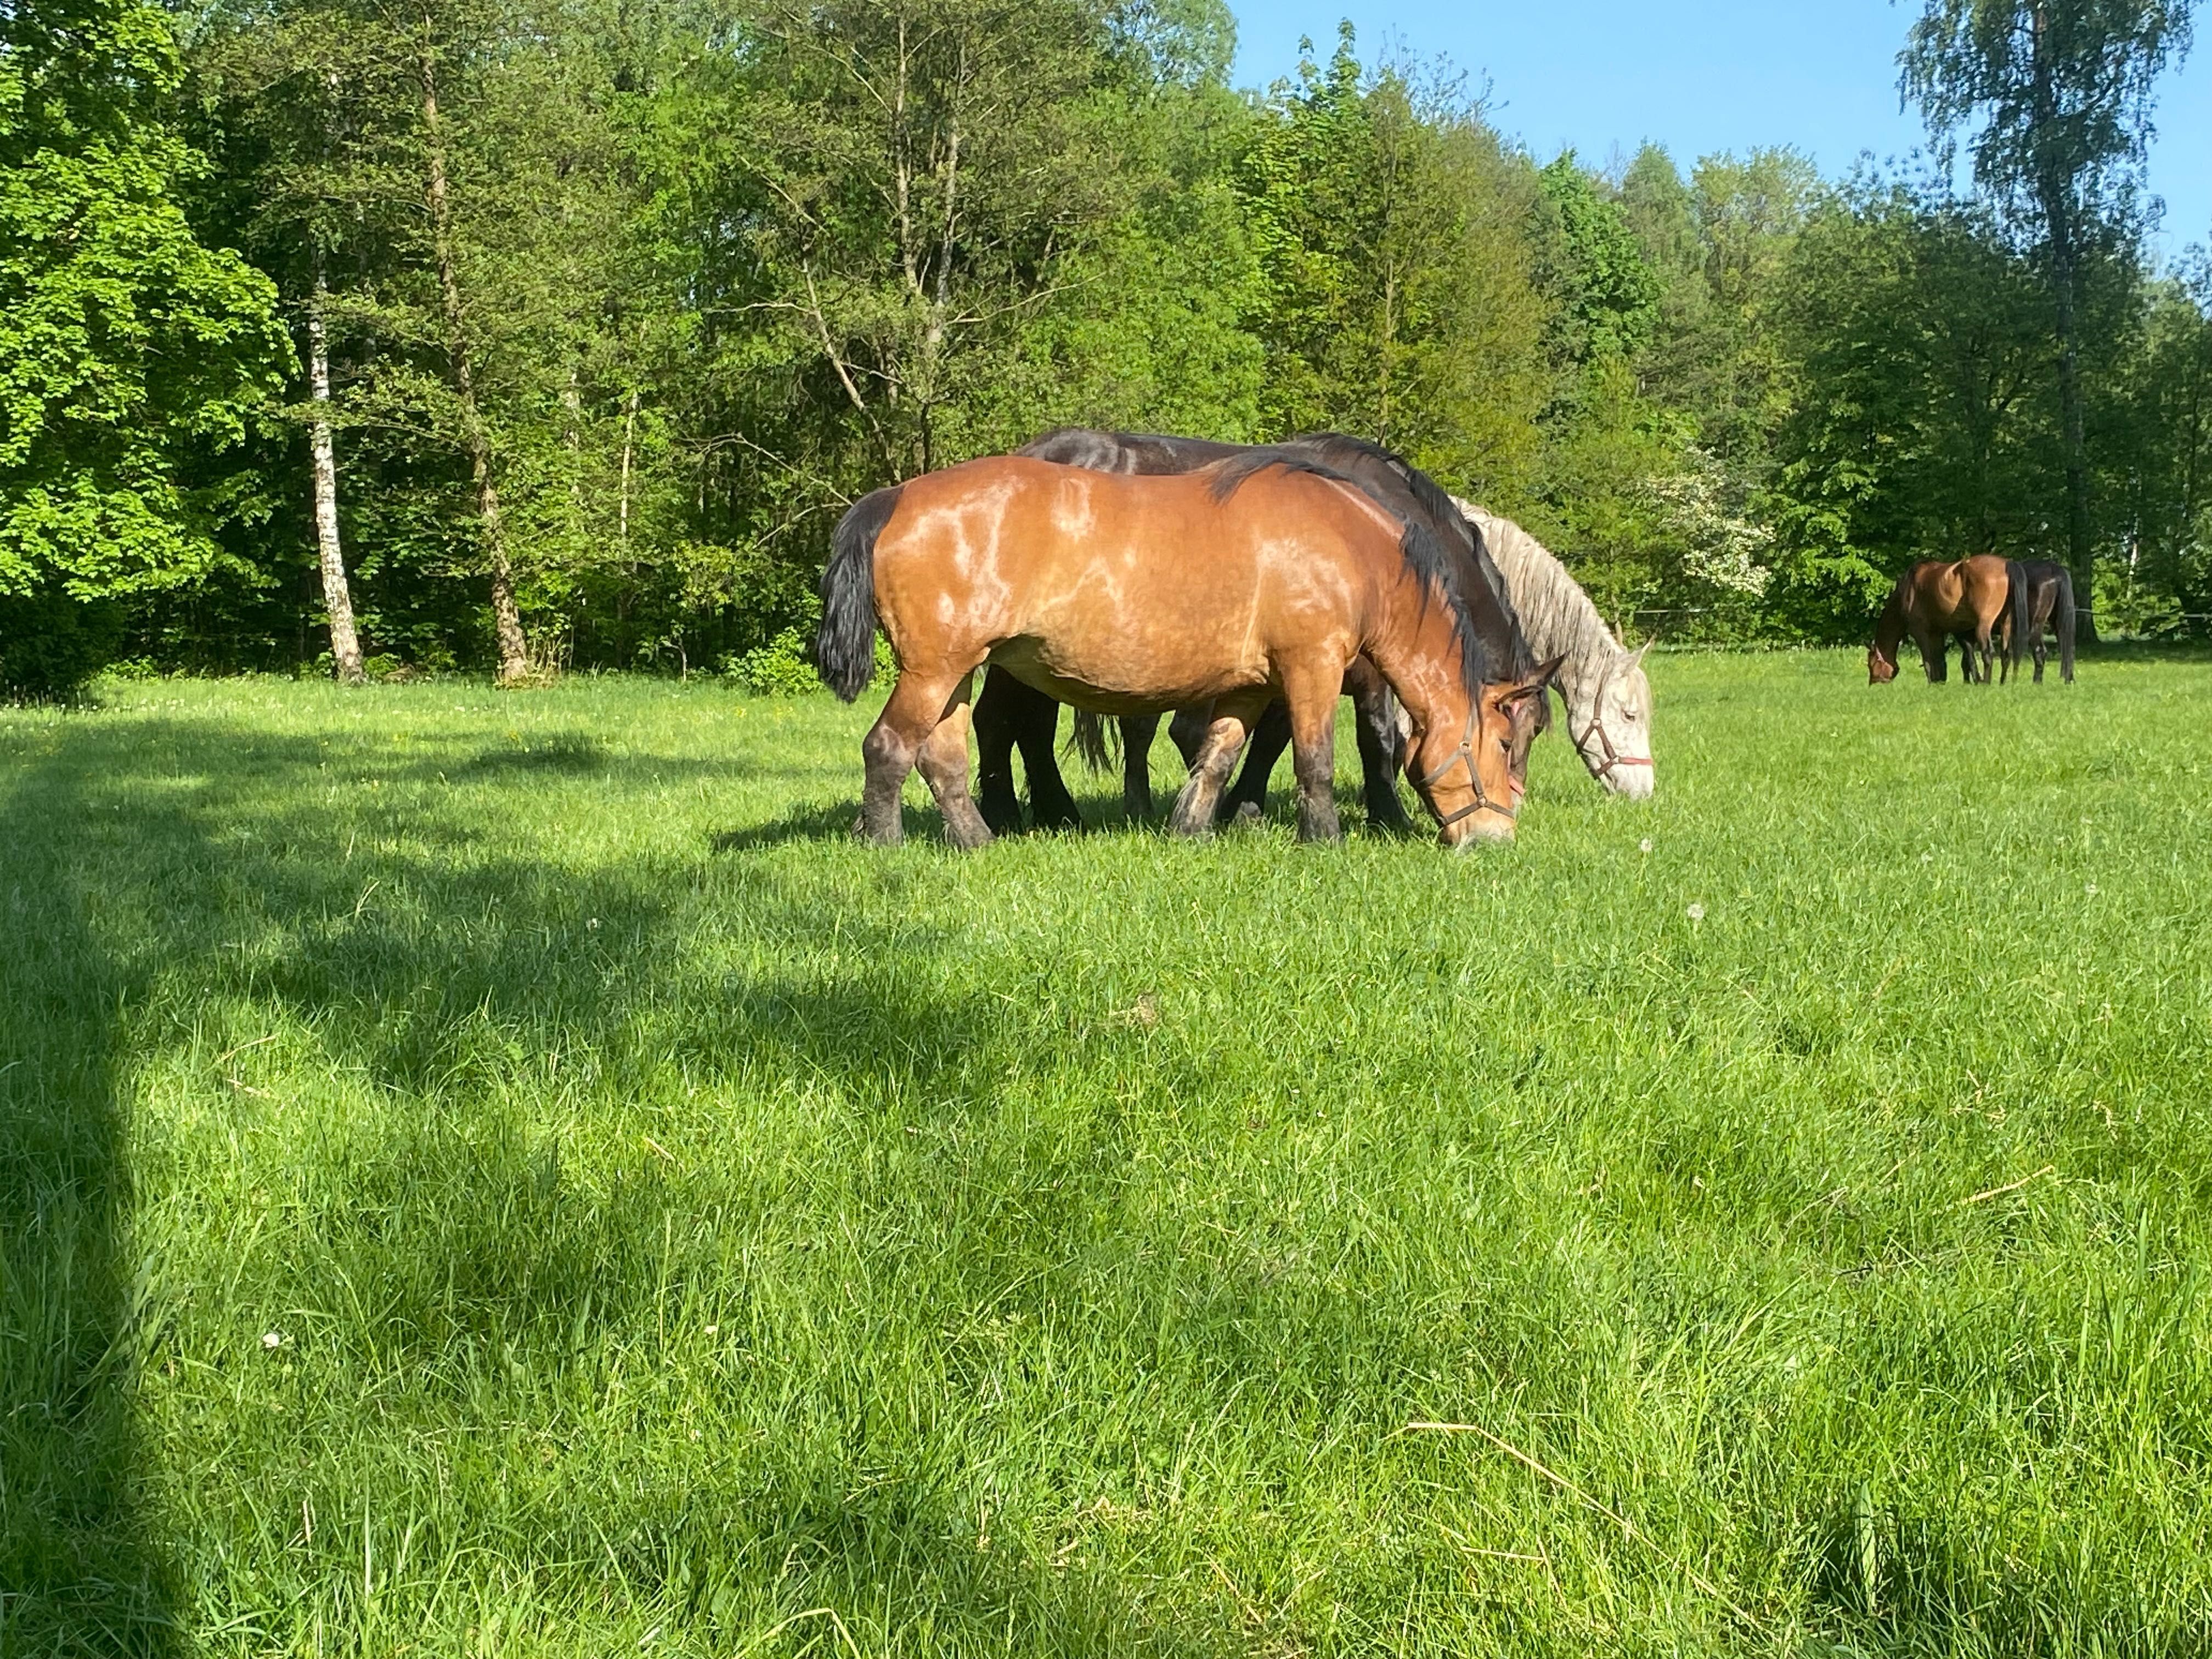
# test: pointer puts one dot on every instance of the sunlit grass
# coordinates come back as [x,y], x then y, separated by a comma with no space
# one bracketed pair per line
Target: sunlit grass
[505,1174]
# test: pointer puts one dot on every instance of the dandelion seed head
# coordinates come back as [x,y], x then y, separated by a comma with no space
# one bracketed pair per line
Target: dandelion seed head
[1643,845]
[1696,913]
[272,1340]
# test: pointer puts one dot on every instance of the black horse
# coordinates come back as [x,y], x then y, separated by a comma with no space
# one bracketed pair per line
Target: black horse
[2042,598]
[1009,715]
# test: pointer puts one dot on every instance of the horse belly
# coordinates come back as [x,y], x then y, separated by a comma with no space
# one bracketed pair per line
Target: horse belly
[1108,678]
[1137,629]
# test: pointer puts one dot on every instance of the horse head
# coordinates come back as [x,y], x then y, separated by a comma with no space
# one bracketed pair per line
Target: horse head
[1470,785]
[1610,723]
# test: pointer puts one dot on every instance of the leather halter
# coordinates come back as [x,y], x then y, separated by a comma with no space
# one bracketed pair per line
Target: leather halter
[1595,728]
[1481,803]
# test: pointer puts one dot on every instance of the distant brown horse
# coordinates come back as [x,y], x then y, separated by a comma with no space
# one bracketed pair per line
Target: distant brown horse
[1935,601]
[1262,576]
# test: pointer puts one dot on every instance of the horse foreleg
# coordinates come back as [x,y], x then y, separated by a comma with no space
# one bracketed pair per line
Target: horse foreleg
[1309,695]
[1380,745]
[1934,655]
[944,760]
[1138,732]
[1269,739]
[1232,717]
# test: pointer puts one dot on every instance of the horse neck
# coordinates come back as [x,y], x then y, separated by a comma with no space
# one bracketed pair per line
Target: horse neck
[1557,617]
[1889,627]
[1413,641]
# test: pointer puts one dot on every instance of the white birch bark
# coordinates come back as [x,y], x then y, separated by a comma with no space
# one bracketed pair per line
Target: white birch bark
[337,595]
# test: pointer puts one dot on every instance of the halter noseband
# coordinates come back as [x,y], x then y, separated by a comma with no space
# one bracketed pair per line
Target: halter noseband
[1595,728]
[1482,802]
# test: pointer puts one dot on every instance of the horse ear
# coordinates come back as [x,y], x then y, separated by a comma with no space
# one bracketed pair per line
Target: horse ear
[1534,686]
[1549,673]
[1636,657]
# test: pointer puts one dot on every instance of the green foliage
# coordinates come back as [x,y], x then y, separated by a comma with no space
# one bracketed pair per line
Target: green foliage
[719,274]
[2057,92]
[2058,95]
[1398,299]
[131,354]
[51,641]
[784,667]
[1608,292]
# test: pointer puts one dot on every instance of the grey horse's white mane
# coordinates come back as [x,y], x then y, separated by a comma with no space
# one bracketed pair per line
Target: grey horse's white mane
[1556,615]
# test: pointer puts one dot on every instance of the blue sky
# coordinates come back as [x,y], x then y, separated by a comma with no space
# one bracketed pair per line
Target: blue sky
[1700,75]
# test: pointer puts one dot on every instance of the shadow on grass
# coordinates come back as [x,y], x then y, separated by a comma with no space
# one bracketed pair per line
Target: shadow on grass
[574,756]
[81,1571]
[479,1265]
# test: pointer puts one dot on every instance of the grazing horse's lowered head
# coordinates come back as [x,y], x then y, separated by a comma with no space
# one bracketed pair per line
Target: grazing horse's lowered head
[1609,719]
[1602,683]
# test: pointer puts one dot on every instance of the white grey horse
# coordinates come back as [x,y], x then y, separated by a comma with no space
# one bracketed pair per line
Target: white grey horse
[1608,698]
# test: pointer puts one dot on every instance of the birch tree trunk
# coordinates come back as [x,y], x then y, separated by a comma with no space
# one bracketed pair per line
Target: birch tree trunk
[337,597]
[630,444]
[507,619]
[2055,194]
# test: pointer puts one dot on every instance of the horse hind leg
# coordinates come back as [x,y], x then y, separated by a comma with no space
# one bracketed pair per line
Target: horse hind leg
[1268,740]
[943,761]
[918,706]
[1209,770]
[1138,732]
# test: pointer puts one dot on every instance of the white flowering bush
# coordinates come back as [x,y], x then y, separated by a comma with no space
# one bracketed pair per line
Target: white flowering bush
[1720,548]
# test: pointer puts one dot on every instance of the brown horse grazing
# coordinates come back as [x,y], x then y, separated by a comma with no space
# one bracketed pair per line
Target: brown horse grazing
[1934,602]
[1009,715]
[2042,598]
[1260,576]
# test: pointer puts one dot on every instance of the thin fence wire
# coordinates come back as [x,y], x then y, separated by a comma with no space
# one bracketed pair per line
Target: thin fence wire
[1655,614]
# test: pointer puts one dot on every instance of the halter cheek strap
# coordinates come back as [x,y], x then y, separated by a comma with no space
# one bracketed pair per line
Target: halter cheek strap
[1482,802]
[1595,728]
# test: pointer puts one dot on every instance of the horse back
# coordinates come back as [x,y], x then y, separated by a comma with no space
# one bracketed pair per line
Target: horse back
[996,544]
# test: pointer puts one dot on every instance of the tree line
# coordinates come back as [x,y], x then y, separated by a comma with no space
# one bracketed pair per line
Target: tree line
[525,334]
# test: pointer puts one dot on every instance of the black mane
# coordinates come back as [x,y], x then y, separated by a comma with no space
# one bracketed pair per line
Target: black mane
[1341,449]
[1425,558]
[1337,447]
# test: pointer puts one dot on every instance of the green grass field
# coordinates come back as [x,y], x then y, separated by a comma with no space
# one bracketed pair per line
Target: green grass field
[496,1174]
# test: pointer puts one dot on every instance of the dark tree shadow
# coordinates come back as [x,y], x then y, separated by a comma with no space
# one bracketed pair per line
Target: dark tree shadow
[80,1569]
[477,1263]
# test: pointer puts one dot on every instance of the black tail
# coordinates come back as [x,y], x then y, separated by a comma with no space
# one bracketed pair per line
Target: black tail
[845,644]
[2062,616]
[1092,741]
[2020,615]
